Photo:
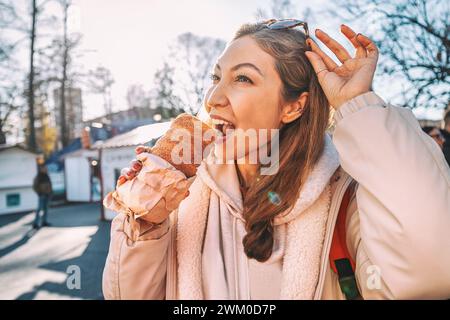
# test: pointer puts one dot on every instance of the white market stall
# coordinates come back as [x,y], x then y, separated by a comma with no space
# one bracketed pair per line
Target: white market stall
[17,171]
[117,152]
[82,183]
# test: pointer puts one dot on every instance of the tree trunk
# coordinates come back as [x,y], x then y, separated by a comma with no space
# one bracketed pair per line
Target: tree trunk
[2,134]
[32,132]
[64,132]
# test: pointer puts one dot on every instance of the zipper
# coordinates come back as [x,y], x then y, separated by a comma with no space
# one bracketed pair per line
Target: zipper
[334,209]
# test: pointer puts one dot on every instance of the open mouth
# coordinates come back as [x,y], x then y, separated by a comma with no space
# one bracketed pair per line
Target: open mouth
[222,126]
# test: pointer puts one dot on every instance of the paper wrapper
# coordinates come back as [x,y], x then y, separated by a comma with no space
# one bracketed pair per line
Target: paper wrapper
[156,191]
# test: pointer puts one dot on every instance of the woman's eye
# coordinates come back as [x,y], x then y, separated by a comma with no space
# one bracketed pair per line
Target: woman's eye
[214,78]
[242,78]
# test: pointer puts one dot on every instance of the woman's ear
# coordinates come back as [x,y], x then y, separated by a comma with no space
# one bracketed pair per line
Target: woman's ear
[294,110]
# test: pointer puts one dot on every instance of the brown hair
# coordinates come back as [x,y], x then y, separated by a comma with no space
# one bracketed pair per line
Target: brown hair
[301,141]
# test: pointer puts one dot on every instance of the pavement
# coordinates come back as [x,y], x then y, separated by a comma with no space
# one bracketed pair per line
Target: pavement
[63,261]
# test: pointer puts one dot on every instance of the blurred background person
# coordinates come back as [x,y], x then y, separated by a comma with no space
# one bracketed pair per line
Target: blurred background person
[43,187]
[436,134]
[446,134]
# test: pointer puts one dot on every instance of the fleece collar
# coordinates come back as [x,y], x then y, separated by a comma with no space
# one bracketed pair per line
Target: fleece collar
[305,232]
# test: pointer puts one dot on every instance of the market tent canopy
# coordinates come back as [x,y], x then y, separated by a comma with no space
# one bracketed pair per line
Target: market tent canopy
[139,135]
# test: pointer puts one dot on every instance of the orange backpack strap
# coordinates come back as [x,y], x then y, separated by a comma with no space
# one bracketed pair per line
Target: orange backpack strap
[341,261]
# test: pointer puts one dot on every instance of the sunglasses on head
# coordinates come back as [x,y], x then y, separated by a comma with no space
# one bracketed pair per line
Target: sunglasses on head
[284,24]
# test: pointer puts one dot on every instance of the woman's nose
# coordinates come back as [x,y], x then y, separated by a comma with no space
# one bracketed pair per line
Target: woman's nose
[215,98]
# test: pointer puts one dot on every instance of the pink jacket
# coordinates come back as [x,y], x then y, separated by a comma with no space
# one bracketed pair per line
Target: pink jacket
[398,221]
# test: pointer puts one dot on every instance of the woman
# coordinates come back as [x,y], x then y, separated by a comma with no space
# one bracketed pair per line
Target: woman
[229,239]
[436,134]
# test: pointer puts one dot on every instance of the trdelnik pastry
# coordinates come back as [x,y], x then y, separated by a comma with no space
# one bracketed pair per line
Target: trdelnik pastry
[185,144]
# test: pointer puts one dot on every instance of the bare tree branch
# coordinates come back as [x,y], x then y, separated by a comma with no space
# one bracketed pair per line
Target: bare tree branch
[414,43]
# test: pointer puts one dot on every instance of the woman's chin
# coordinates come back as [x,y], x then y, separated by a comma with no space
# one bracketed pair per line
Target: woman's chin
[224,150]
[227,150]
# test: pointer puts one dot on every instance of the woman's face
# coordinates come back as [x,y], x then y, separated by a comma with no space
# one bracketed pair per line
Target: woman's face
[245,91]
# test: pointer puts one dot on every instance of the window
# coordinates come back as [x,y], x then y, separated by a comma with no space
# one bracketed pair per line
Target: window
[13,200]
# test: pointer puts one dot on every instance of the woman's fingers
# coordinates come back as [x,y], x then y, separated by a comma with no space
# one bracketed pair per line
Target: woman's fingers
[131,174]
[124,171]
[318,64]
[121,180]
[369,45]
[128,173]
[136,165]
[142,149]
[352,36]
[333,45]
[331,65]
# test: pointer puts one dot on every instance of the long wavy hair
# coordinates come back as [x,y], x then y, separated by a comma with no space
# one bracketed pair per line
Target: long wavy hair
[301,141]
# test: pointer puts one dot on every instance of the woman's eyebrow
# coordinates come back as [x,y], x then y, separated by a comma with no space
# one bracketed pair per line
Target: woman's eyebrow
[241,65]
[249,65]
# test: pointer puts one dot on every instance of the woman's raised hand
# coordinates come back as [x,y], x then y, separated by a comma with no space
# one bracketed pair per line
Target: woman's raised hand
[134,168]
[354,76]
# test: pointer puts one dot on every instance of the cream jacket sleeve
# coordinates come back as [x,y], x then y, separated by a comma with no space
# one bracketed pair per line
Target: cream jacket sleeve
[128,259]
[399,224]
[137,259]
